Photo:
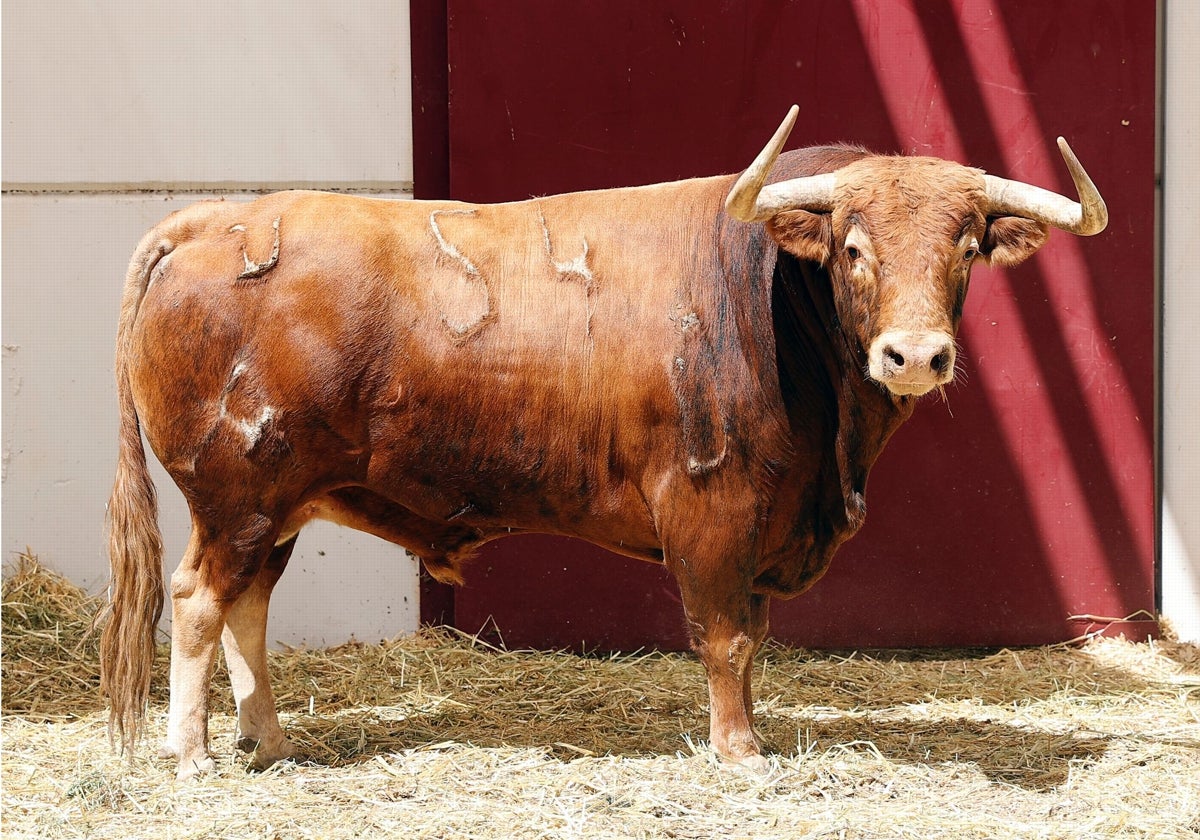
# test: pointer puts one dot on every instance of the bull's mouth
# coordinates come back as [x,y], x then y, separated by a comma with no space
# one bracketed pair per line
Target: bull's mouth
[903,389]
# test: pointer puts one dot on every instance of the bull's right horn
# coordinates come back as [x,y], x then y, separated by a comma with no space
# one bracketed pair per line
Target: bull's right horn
[750,201]
[1085,217]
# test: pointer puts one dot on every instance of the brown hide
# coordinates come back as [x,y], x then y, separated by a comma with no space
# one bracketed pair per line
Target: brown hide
[536,366]
[632,366]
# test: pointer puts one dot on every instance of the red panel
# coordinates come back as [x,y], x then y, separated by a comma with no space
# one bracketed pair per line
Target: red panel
[1026,500]
[430,83]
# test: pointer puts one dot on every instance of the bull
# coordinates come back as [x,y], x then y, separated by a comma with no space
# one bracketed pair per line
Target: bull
[698,373]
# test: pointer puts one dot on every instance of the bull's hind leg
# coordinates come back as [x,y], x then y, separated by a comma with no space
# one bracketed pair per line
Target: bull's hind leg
[215,571]
[245,642]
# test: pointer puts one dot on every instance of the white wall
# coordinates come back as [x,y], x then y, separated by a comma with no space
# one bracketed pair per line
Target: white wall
[102,99]
[204,94]
[1181,320]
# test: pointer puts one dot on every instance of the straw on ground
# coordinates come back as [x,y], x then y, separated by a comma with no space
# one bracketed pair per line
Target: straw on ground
[440,735]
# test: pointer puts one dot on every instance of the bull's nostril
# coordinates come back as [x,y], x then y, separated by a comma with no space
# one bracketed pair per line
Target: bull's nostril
[940,362]
[893,356]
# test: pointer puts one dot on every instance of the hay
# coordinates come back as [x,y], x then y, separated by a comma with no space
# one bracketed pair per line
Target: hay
[440,735]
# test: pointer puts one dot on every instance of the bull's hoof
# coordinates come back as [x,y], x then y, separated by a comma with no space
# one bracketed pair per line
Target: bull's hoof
[745,754]
[194,767]
[757,764]
[167,751]
[264,754]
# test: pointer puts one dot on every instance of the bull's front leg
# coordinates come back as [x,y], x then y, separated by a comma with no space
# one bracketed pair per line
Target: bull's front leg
[727,624]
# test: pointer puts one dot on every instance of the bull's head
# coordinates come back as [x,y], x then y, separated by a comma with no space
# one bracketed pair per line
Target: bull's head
[899,235]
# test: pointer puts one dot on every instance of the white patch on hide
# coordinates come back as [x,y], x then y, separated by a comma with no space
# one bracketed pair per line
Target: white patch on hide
[577,267]
[252,430]
[697,467]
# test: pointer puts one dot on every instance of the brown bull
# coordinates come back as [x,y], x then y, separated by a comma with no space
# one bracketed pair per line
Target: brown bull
[697,373]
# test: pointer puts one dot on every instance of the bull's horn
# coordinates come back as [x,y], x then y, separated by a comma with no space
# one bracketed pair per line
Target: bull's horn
[1086,217]
[750,201]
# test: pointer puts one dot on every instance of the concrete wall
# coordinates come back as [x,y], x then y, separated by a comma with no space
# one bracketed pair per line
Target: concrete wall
[203,94]
[115,115]
[1181,320]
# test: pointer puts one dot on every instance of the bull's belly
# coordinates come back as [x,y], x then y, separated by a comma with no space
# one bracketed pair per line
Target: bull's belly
[419,521]
[613,517]
[487,452]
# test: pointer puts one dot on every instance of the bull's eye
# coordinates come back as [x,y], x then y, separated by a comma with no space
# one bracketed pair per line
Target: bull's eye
[969,255]
[853,253]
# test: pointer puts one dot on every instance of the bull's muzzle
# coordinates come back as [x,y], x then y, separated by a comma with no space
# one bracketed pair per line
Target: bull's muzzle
[911,363]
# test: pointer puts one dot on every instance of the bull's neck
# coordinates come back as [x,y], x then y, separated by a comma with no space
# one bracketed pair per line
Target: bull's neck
[834,411]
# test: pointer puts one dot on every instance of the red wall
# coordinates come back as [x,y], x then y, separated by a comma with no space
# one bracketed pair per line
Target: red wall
[1029,498]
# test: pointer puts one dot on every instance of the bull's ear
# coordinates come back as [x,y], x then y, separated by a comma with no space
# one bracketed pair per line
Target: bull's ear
[1011,240]
[802,234]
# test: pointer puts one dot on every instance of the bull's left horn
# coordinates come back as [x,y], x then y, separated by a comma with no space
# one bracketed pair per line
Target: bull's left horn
[750,201]
[1085,217]
[742,201]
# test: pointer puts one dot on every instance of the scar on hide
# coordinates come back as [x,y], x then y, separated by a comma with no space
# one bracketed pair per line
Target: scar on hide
[234,375]
[448,249]
[159,269]
[461,296]
[702,431]
[702,417]
[251,429]
[697,467]
[739,649]
[576,269]
[255,270]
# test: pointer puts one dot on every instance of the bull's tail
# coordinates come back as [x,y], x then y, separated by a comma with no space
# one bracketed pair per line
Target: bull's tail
[127,646]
